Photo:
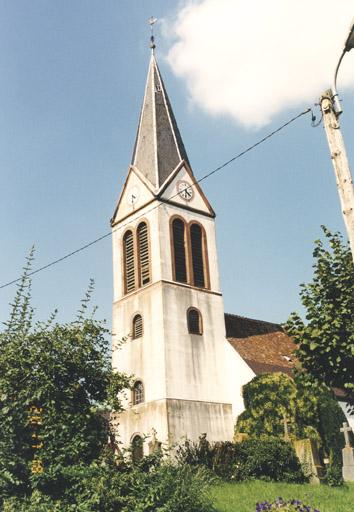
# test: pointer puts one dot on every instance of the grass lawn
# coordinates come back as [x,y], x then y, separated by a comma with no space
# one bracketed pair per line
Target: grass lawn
[242,497]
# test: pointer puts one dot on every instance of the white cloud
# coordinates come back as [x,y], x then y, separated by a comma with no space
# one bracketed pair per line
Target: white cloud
[251,59]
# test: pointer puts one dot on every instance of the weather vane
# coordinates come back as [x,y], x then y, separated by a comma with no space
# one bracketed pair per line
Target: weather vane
[152,20]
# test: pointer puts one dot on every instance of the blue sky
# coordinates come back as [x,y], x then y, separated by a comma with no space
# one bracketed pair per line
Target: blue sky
[72,81]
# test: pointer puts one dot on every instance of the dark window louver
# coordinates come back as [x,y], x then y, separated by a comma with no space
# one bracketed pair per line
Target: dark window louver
[129,264]
[144,256]
[137,327]
[138,393]
[194,322]
[179,250]
[197,255]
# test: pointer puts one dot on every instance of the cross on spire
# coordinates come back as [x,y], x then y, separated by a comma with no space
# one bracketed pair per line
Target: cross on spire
[152,20]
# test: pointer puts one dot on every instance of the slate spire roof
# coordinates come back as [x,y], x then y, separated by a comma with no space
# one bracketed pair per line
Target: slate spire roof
[158,147]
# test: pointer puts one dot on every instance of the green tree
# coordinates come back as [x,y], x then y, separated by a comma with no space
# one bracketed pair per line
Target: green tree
[56,383]
[309,407]
[326,340]
[268,399]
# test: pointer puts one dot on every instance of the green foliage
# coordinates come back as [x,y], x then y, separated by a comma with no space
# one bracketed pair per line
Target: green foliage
[264,458]
[267,459]
[106,487]
[310,409]
[334,477]
[326,341]
[195,454]
[66,371]
[268,399]
[224,459]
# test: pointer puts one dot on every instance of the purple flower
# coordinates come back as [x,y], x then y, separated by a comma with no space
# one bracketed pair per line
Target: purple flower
[279,503]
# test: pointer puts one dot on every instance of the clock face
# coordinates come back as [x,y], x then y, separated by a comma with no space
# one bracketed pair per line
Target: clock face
[185,190]
[133,194]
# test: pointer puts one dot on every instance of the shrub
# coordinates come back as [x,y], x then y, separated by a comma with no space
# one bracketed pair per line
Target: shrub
[268,398]
[219,457]
[333,476]
[224,459]
[310,408]
[195,453]
[107,487]
[267,459]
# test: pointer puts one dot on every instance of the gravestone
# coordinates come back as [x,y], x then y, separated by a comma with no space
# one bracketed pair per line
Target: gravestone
[154,445]
[307,453]
[348,455]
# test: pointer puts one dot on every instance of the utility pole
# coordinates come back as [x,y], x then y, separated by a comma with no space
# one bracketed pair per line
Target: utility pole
[331,110]
[340,162]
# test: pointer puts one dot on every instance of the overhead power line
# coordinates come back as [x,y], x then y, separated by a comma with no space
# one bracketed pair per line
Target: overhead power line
[204,177]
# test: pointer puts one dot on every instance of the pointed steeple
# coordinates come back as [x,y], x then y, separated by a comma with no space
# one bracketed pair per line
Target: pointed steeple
[158,146]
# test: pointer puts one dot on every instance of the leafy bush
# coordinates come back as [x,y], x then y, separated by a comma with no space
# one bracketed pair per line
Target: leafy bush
[56,380]
[195,453]
[264,458]
[267,459]
[334,477]
[268,399]
[224,459]
[106,487]
[310,408]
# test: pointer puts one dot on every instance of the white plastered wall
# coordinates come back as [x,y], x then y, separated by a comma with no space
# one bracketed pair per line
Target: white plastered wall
[177,369]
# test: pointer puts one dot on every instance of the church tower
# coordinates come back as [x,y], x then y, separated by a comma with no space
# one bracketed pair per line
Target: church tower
[166,290]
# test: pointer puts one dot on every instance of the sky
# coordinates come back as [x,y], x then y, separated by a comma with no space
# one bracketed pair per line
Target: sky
[72,82]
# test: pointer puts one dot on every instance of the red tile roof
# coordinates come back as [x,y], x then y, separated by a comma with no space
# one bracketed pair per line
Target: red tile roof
[263,345]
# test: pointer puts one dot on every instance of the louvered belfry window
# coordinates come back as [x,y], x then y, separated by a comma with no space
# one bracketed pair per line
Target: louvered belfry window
[197,255]
[129,263]
[137,326]
[179,250]
[143,254]
[194,321]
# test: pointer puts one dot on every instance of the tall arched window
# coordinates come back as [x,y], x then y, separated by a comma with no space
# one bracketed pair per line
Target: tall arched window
[143,254]
[129,263]
[179,250]
[138,392]
[197,249]
[194,321]
[137,448]
[137,326]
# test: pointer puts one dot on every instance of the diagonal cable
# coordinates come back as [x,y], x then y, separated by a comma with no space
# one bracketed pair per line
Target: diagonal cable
[204,177]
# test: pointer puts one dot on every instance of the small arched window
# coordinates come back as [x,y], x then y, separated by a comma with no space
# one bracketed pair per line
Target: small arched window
[138,392]
[198,254]
[194,321]
[137,448]
[129,263]
[143,254]
[179,250]
[137,326]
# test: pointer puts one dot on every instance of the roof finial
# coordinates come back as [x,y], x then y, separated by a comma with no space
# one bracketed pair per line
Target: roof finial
[152,22]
